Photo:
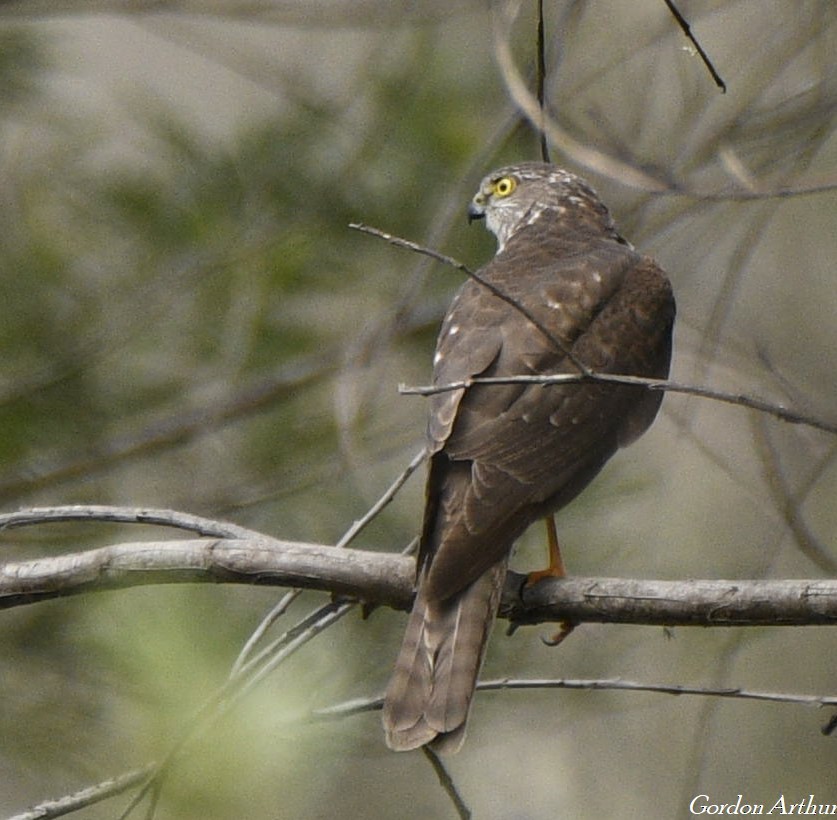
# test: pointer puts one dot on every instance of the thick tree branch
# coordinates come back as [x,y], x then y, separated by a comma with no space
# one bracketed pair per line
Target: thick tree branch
[386,578]
[383,578]
[675,603]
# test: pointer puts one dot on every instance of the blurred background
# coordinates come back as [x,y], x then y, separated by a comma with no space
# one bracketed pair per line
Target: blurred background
[189,323]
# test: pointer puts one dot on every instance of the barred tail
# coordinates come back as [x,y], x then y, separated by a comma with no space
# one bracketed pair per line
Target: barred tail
[430,692]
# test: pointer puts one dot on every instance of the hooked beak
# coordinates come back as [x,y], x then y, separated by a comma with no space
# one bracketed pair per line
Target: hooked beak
[476,209]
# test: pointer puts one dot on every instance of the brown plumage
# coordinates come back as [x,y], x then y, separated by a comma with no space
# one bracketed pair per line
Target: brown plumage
[502,456]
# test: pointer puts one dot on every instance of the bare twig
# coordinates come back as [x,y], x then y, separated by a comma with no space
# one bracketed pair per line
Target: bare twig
[360,705]
[276,612]
[740,399]
[503,17]
[541,81]
[36,516]
[360,524]
[585,374]
[446,782]
[618,684]
[449,260]
[686,29]
[294,639]
[340,711]
[85,797]
[354,530]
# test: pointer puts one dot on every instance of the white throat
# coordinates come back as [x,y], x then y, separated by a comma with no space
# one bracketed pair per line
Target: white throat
[502,225]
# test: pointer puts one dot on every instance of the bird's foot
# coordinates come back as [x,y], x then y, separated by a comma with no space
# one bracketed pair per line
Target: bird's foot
[564,629]
[555,569]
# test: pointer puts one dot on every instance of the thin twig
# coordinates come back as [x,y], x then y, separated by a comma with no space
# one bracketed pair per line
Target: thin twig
[354,530]
[360,705]
[360,524]
[446,782]
[294,639]
[454,263]
[740,399]
[541,81]
[686,29]
[751,402]
[610,166]
[34,516]
[277,611]
[86,796]
[736,693]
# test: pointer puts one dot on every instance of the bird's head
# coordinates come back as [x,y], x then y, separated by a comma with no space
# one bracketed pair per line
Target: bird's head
[516,196]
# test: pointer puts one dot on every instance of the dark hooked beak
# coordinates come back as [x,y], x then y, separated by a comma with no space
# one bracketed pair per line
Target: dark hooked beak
[476,210]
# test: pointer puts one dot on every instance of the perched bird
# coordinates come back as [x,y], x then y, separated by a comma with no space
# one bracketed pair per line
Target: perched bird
[564,292]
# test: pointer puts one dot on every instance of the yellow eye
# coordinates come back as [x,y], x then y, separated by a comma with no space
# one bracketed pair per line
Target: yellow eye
[504,186]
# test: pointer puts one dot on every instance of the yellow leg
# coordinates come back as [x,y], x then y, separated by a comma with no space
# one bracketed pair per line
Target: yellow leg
[556,569]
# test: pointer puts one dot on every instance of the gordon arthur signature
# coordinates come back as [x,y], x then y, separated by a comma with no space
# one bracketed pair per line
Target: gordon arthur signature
[811,806]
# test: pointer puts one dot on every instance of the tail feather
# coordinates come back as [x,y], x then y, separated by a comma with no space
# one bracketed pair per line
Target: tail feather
[430,692]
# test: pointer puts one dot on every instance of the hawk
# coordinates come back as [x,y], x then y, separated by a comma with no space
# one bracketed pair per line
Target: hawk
[564,289]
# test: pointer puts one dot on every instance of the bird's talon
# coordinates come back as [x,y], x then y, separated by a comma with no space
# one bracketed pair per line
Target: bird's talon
[564,629]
